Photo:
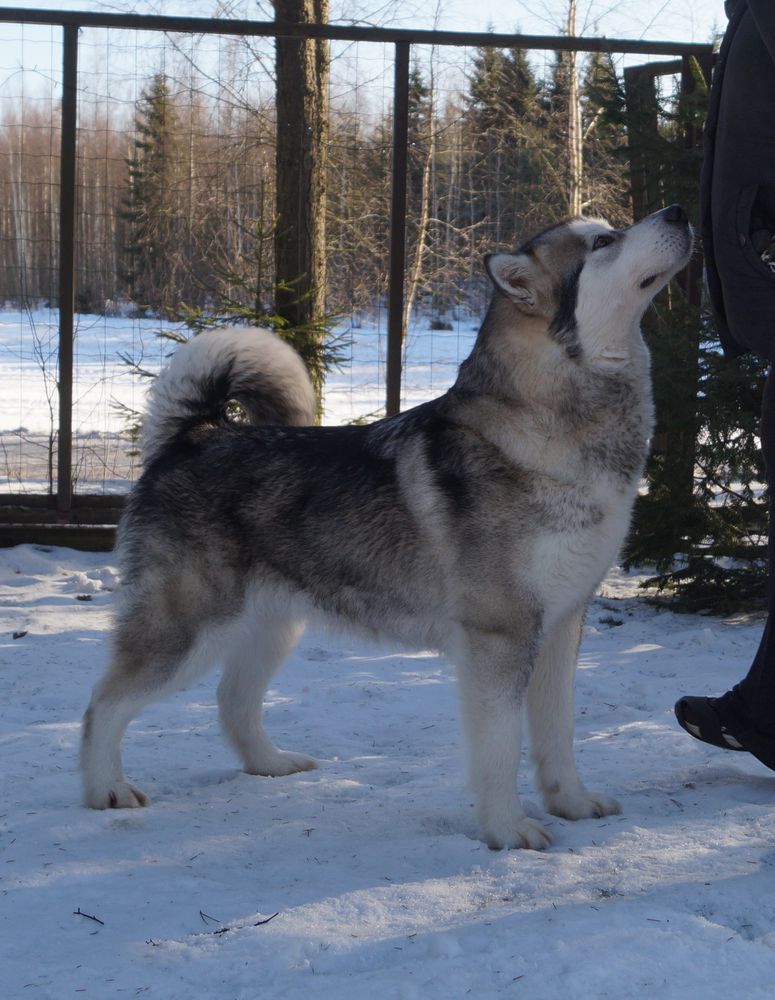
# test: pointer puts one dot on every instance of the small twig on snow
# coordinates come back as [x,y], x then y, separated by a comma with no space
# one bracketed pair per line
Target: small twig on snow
[79,913]
[241,927]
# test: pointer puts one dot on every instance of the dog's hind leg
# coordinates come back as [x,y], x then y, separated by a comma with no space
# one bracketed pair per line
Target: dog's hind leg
[248,669]
[550,718]
[493,671]
[112,707]
[152,655]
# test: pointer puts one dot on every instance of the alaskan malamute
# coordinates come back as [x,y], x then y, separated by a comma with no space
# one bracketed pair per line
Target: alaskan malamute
[478,524]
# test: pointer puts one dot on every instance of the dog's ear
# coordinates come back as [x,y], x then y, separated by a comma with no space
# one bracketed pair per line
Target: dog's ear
[512,275]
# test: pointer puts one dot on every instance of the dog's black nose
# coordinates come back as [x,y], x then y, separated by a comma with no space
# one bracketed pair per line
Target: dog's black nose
[674,213]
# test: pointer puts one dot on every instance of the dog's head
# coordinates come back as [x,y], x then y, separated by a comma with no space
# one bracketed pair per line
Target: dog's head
[589,283]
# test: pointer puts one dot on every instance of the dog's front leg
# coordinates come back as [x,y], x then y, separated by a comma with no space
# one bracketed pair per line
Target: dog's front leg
[550,718]
[493,673]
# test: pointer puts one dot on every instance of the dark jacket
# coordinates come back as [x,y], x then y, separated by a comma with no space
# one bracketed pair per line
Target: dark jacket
[737,187]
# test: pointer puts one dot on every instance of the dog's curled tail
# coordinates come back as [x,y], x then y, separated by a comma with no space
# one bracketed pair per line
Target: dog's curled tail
[249,365]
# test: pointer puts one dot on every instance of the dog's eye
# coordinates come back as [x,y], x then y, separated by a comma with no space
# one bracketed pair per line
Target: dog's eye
[603,240]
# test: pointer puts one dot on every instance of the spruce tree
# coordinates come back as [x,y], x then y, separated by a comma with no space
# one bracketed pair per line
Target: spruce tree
[606,176]
[505,175]
[149,207]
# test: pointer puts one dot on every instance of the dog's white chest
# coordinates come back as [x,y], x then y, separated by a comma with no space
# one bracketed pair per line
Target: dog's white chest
[568,564]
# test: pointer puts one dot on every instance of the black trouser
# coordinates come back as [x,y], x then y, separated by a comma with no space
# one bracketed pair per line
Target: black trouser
[751,703]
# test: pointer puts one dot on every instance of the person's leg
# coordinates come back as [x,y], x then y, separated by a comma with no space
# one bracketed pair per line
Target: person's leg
[750,705]
[744,718]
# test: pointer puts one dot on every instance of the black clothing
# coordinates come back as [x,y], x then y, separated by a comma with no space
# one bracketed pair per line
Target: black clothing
[737,185]
[737,204]
[749,708]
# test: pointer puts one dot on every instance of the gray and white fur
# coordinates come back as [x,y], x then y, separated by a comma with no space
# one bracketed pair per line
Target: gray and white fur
[478,524]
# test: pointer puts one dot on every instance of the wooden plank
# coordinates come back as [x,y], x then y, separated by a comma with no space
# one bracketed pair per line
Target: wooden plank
[346,32]
[36,515]
[88,538]
[95,501]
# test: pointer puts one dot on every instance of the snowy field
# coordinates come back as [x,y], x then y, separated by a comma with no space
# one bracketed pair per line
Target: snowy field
[364,878]
[105,388]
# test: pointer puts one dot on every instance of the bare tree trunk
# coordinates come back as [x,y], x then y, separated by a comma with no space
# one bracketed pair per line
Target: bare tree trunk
[416,270]
[302,137]
[575,160]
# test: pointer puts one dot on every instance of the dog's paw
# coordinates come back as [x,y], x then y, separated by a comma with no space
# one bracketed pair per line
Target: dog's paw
[524,833]
[582,805]
[120,795]
[280,763]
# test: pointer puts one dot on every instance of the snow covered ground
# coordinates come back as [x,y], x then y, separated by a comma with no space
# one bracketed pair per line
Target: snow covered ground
[364,878]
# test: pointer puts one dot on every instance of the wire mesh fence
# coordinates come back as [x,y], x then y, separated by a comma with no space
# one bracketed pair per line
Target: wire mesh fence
[175,212]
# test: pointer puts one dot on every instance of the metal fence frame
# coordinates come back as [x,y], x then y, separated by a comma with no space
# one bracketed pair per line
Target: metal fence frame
[20,515]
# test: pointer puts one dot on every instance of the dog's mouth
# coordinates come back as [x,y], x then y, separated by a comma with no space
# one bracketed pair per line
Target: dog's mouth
[682,255]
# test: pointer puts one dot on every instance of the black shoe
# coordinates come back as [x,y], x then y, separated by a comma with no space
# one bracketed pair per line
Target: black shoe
[700,719]
[703,719]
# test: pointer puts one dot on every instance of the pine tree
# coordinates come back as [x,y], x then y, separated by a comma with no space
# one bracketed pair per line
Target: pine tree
[505,177]
[149,208]
[604,138]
